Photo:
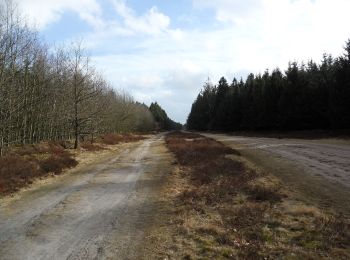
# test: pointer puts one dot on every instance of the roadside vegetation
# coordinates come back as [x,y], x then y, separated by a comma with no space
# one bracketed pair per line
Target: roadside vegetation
[23,164]
[304,97]
[217,205]
[53,100]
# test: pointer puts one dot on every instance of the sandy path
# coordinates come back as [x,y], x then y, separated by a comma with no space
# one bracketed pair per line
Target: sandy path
[319,168]
[99,212]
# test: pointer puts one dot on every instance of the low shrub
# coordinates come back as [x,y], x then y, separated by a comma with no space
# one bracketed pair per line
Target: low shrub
[56,164]
[68,161]
[51,165]
[112,139]
[197,150]
[230,197]
[15,172]
[56,148]
[262,193]
[334,230]
[25,164]
[52,147]
[91,147]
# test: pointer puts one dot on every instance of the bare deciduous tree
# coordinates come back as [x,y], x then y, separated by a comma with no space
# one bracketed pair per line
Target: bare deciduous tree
[50,95]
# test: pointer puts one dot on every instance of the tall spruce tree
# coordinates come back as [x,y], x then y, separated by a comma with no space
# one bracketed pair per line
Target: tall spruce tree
[305,96]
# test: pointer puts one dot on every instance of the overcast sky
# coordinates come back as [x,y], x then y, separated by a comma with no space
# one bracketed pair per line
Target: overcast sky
[164,50]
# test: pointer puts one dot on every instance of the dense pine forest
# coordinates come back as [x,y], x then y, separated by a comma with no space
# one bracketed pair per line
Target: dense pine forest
[163,122]
[49,93]
[306,96]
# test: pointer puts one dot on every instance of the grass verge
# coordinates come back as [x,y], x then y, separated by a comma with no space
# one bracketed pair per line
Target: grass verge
[218,206]
[23,164]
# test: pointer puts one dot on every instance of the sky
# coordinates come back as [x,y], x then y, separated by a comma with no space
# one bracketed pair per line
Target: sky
[165,50]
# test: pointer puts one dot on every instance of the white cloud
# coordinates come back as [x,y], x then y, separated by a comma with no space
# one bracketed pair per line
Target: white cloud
[43,13]
[231,10]
[254,35]
[143,54]
[152,22]
[268,33]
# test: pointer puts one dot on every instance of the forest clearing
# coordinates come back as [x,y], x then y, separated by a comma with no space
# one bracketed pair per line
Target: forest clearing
[174,196]
[189,129]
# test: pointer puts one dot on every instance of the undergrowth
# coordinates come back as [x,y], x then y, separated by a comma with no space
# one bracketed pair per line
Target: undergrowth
[112,139]
[224,210]
[23,164]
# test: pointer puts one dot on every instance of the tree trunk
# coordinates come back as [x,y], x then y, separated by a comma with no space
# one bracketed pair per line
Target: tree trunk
[1,146]
[76,126]
[76,142]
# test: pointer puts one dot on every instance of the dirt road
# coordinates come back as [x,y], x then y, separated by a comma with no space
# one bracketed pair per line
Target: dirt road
[98,211]
[318,169]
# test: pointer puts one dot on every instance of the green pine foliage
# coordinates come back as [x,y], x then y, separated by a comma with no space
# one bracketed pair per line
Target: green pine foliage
[304,97]
[162,120]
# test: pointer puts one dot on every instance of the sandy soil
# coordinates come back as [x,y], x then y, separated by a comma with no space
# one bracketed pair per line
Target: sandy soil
[101,210]
[319,169]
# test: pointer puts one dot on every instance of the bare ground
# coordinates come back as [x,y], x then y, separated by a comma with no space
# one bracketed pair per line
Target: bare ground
[318,170]
[100,210]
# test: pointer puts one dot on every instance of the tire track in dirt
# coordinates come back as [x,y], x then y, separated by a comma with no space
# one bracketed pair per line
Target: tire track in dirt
[84,215]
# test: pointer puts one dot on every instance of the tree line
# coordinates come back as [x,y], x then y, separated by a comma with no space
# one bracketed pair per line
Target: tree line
[163,122]
[304,97]
[51,93]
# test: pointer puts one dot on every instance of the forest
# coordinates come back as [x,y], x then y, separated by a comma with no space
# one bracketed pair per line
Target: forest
[163,122]
[53,93]
[305,97]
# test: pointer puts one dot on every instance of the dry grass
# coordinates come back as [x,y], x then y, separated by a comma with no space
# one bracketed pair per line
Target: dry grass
[92,147]
[112,139]
[329,234]
[303,210]
[222,209]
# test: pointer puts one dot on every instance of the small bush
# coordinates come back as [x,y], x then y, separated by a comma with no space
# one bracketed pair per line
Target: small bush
[249,216]
[112,139]
[25,163]
[51,165]
[56,149]
[92,147]
[262,193]
[197,151]
[24,150]
[52,147]
[56,164]
[65,144]
[68,161]
[16,172]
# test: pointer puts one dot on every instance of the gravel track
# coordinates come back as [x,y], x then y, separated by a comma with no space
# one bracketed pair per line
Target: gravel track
[98,212]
